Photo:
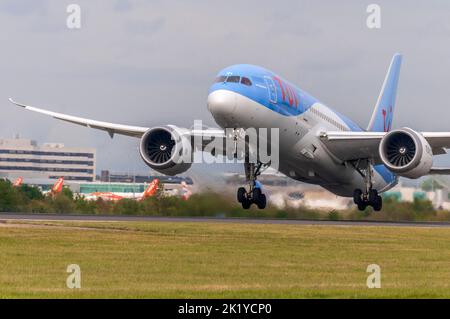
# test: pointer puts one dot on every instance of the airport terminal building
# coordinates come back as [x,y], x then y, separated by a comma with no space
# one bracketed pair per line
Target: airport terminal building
[25,158]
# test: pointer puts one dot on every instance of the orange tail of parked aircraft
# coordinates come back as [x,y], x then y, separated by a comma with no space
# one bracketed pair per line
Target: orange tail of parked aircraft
[18,182]
[186,191]
[57,188]
[151,189]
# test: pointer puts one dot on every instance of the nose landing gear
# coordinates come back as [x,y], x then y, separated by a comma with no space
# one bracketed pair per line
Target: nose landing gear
[254,194]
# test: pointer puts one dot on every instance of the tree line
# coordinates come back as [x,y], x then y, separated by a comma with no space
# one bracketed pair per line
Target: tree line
[30,199]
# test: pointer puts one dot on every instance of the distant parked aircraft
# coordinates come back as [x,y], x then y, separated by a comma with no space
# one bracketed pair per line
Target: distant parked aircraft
[186,192]
[151,190]
[18,182]
[57,187]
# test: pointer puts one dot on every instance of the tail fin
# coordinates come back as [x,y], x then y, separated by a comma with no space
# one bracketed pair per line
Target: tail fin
[151,189]
[57,188]
[381,120]
[18,182]
[186,191]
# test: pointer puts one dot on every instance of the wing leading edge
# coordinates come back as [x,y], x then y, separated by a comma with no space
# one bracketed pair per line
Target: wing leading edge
[111,128]
[128,130]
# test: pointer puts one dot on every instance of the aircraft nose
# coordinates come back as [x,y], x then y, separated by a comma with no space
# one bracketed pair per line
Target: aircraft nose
[221,104]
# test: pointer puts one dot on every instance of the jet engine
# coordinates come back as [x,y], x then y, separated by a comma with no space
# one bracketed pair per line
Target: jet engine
[406,153]
[167,149]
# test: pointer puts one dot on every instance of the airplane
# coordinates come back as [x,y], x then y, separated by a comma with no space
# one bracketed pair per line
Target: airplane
[56,188]
[317,144]
[150,191]
[18,182]
[107,196]
[186,192]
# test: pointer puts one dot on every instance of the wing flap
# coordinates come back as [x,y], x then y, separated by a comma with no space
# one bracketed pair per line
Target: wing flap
[439,171]
[348,146]
[437,139]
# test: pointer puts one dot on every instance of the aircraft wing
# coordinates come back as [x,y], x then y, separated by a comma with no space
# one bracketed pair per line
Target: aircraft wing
[129,130]
[440,171]
[348,146]
[111,128]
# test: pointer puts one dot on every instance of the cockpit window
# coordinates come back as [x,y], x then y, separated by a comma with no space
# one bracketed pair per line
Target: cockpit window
[221,78]
[233,79]
[246,81]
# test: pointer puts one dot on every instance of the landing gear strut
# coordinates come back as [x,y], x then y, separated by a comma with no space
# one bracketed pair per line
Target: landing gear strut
[254,194]
[368,197]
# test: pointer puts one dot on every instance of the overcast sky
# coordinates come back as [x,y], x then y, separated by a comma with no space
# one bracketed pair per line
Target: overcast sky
[151,62]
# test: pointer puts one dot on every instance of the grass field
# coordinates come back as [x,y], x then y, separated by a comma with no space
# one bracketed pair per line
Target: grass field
[214,260]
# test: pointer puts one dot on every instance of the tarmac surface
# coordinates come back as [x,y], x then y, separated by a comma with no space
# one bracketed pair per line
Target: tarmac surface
[110,218]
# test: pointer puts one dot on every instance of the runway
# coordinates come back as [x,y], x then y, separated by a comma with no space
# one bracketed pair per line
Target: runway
[109,218]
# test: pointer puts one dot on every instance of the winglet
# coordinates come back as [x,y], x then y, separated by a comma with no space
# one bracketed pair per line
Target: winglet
[14,102]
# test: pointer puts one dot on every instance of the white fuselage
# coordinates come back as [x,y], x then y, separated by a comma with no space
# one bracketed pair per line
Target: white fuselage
[302,155]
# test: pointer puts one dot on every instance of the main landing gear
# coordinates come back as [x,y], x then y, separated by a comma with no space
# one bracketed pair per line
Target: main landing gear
[254,194]
[368,197]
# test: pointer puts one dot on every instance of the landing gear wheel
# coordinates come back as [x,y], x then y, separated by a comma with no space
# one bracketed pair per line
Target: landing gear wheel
[370,195]
[256,195]
[375,200]
[241,194]
[373,196]
[246,204]
[371,199]
[362,205]
[378,203]
[253,194]
[357,196]
[262,201]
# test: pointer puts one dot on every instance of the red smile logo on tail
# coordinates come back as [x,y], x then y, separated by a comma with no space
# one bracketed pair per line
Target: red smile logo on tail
[387,119]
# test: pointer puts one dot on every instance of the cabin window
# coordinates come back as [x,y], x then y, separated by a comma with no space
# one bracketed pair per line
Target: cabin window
[246,81]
